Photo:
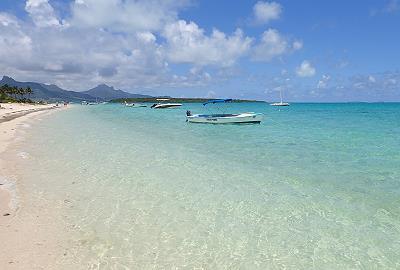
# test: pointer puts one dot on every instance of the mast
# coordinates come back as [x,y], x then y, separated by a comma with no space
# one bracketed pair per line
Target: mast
[280,93]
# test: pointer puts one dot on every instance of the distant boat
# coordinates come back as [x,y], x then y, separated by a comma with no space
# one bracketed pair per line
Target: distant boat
[280,103]
[165,105]
[241,118]
[85,103]
[133,105]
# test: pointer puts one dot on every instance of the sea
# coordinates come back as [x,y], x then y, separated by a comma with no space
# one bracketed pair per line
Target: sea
[314,186]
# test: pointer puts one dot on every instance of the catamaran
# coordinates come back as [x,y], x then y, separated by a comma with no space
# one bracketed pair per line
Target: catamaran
[161,105]
[280,103]
[222,118]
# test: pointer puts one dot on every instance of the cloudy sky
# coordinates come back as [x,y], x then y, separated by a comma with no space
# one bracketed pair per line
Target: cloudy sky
[337,50]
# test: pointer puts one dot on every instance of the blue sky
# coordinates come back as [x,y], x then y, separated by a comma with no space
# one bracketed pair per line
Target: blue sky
[311,50]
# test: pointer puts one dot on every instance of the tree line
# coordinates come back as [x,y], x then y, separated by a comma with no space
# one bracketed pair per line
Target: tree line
[14,93]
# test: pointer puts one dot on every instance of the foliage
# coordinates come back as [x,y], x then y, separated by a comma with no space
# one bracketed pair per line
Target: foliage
[15,94]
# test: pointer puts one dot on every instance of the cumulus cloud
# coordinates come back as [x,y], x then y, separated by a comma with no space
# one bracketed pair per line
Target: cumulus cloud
[305,69]
[126,43]
[15,45]
[42,13]
[127,16]
[187,43]
[274,44]
[265,12]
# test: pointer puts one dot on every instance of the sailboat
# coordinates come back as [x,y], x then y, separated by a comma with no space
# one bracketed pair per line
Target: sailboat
[280,103]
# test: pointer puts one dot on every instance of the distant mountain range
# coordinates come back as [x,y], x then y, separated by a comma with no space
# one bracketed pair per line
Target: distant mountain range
[52,92]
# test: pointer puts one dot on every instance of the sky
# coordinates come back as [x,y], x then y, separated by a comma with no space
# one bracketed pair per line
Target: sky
[318,51]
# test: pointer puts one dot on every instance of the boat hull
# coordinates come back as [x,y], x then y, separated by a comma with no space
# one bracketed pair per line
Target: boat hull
[280,104]
[244,118]
[167,105]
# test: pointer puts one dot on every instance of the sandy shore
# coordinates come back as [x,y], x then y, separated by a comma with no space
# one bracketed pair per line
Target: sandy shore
[26,232]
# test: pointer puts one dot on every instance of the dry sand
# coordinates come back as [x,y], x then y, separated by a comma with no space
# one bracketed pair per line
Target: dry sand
[29,234]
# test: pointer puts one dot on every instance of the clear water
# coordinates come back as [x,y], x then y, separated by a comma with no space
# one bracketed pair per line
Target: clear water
[314,186]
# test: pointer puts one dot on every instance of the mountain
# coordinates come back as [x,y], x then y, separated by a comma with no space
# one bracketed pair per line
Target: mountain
[106,92]
[52,92]
[47,92]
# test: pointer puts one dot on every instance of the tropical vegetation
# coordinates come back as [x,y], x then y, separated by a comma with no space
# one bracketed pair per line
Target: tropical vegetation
[15,94]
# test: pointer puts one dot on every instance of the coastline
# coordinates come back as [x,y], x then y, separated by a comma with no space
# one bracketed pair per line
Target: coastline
[23,232]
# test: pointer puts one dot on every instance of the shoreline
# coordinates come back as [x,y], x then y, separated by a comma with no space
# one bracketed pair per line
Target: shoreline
[21,230]
[13,115]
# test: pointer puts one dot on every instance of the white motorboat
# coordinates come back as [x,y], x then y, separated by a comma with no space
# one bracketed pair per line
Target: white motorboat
[165,105]
[280,103]
[85,103]
[223,118]
[241,118]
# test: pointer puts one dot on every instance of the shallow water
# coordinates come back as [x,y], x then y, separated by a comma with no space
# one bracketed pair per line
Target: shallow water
[314,186]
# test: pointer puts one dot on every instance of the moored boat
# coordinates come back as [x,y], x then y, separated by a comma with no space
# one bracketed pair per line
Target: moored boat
[165,105]
[224,118]
[241,118]
[280,103]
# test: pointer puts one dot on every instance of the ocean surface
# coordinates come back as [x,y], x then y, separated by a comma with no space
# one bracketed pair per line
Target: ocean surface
[314,186]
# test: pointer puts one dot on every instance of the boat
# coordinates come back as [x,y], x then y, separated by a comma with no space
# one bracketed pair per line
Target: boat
[133,105]
[222,118]
[85,103]
[161,105]
[280,103]
[93,103]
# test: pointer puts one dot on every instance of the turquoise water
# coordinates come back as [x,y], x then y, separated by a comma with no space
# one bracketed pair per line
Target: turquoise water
[314,186]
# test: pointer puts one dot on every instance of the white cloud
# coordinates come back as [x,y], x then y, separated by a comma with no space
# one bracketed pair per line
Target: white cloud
[8,20]
[273,44]
[305,69]
[15,45]
[187,43]
[79,56]
[323,83]
[126,43]
[371,79]
[127,16]
[297,45]
[265,12]
[42,13]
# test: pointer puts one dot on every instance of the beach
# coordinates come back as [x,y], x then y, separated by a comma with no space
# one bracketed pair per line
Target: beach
[112,187]
[27,231]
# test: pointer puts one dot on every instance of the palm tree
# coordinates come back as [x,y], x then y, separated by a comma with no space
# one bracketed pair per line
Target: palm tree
[29,91]
[21,92]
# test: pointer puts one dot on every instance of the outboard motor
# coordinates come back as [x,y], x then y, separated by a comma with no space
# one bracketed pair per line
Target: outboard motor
[152,106]
[188,113]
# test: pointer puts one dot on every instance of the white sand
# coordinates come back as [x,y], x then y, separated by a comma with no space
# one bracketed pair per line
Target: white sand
[28,233]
